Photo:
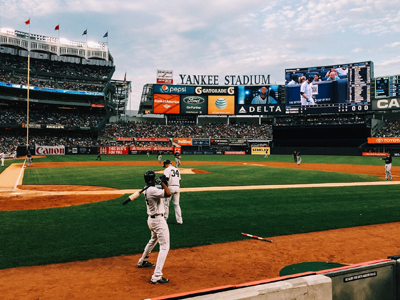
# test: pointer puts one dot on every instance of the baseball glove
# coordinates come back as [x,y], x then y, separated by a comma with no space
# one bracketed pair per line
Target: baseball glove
[161,179]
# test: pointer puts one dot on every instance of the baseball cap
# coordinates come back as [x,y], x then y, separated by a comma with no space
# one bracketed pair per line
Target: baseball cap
[167,161]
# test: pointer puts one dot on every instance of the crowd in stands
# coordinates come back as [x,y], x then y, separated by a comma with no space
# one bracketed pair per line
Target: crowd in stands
[390,129]
[12,116]
[51,67]
[326,120]
[247,131]
[50,83]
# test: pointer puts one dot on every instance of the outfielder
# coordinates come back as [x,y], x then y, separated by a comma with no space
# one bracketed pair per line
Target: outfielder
[15,154]
[174,181]
[388,167]
[298,158]
[177,159]
[157,225]
[159,157]
[29,159]
[2,156]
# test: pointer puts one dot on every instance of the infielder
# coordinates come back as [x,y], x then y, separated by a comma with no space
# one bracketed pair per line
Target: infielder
[295,156]
[388,166]
[177,159]
[306,92]
[2,156]
[159,157]
[298,158]
[29,159]
[174,181]
[157,225]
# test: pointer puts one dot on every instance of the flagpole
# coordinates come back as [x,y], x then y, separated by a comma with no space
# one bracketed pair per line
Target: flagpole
[27,91]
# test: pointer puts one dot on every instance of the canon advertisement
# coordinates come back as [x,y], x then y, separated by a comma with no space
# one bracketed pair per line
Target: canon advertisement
[49,150]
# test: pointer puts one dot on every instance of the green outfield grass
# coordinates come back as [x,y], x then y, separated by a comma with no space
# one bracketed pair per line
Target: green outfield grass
[356,160]
[128,177]
[108,228]
[105,229]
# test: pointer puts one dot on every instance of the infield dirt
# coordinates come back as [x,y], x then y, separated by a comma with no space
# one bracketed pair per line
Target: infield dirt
[191,268]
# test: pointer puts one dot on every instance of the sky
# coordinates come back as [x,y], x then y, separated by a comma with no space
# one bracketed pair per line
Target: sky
[220,37]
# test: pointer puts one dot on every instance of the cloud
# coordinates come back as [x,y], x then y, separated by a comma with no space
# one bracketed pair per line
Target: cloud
[392,44]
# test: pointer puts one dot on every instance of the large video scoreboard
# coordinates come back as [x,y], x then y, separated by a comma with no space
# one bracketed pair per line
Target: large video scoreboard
[347,90]
[341,88]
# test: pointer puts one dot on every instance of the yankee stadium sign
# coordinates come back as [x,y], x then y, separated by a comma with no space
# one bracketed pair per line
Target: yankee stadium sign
[228,79]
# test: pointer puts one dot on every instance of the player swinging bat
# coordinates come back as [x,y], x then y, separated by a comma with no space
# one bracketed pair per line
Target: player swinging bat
[136,194]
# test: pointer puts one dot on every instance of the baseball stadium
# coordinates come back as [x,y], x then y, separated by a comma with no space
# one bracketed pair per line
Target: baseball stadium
[280,199]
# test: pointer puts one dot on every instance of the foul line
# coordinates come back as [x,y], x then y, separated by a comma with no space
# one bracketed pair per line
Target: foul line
[20,173]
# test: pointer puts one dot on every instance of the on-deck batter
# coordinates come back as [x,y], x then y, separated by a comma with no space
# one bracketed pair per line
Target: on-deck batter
[158,227]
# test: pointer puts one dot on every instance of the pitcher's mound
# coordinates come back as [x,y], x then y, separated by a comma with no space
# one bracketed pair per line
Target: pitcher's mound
[187,171]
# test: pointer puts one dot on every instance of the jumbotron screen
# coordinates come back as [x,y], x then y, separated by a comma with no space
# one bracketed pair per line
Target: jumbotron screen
[329,89]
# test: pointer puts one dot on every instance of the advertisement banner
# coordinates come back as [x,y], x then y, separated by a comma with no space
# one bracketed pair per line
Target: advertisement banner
[183,142]
[221,105]
[166,104]
[173,89]
[49,150]
[260,150]
[228,142]
[263,109]
[386,104]
[151,148]
[200,142]
[114,150]
[194,104]
[165,76]
[374,154]
[49,126]
[178,150]
[152,139]
[235,152]
[383,140]
[81,150]
[124,139]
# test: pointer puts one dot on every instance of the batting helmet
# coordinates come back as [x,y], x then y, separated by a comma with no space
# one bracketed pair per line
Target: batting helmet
[150,177]
[166,162]
[310,78]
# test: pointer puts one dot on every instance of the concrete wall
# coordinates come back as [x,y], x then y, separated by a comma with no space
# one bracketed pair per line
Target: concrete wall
[301,288]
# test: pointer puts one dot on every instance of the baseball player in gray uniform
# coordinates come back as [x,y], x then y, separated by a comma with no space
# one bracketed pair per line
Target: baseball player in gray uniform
[159,157]
[2,156]
[29,159]
[158,226]
[298,158]
[177,159]
[174,181]
[388,167]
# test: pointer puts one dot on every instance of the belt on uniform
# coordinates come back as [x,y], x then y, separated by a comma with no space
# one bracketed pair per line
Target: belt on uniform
[153,216]
[173,185]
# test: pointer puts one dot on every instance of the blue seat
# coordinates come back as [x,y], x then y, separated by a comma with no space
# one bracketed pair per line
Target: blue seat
[325,92]
[292,95]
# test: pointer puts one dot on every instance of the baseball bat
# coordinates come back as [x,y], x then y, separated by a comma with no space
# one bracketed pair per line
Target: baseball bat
[256,237]
[135,195]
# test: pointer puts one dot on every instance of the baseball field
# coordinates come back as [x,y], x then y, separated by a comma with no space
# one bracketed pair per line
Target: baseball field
[65,234]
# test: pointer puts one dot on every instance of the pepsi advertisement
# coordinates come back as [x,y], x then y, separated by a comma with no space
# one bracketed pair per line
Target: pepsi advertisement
[173,89]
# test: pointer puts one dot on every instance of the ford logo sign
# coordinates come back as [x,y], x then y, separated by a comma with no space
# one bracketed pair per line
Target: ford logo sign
[193,100]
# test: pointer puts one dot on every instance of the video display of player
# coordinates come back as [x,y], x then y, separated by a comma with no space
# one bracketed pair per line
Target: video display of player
[259,100]
[332,88]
